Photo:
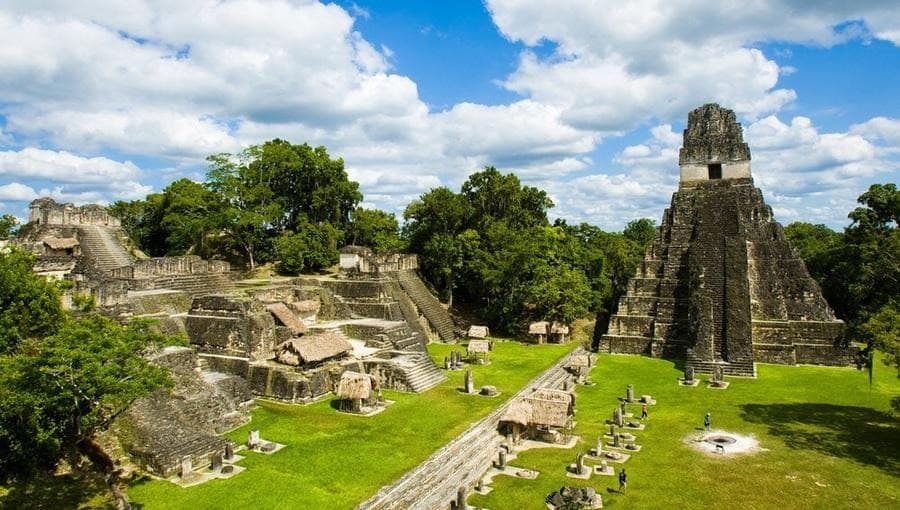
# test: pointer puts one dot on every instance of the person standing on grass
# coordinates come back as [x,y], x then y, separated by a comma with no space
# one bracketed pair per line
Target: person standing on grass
[706,421]
[623,481]
[643,411]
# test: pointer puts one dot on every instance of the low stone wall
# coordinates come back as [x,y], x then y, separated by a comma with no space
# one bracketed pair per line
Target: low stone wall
[626,344]
[272,380]
[232,326]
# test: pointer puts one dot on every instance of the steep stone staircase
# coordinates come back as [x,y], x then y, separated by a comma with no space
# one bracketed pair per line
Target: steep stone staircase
[421,373]
[429,305]
[740,368]
[100,245]
[196,284]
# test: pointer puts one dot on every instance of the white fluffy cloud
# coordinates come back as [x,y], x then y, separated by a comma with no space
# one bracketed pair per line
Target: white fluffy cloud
[176,80]
[617,64]
[17,192]
[806,175]
[102,179]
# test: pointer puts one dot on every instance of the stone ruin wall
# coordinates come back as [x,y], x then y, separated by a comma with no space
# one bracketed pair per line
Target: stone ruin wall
[160,429]
[170,266]
[46,211]
[233,326]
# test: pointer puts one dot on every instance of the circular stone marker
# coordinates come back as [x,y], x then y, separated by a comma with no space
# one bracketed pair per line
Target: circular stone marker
[722,443]
[721,439]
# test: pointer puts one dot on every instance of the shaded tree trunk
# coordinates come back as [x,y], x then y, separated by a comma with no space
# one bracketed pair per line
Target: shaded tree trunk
[104,463]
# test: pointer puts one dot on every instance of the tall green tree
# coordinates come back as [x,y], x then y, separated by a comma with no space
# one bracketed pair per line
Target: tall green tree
[641,231]
[250,210]
[58,392]
[29,305]
[312,248]
[8,224]
[374,228]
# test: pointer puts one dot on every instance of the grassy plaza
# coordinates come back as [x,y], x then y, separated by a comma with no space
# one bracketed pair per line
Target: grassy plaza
[829,442]
[336,460]
[827,439]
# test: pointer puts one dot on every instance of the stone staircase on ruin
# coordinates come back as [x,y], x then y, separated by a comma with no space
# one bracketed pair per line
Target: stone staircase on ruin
[100,245]
[202,284]
[428,304]
[645,319]
[421,372]
[739,368]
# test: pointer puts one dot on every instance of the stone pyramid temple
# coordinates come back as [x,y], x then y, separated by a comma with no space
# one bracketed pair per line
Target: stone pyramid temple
[720,285]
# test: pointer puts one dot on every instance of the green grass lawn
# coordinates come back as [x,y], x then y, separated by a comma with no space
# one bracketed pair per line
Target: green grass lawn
[334,460]
[830,442]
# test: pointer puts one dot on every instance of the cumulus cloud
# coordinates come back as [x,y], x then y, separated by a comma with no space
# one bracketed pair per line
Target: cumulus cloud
[805,174]
[17,192]
[173,81]
[100,178]
[616,64]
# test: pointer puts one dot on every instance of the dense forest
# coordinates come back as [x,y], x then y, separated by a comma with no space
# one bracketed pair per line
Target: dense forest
[488,248]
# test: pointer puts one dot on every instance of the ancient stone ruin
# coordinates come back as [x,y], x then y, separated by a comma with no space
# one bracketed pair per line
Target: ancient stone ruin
[720,284]
[292,339]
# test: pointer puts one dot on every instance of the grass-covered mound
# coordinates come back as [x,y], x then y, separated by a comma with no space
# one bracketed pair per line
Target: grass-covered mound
[335,460]
[830,442]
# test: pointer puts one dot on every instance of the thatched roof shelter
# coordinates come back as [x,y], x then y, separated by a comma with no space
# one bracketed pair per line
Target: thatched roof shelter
[550,408]
[357,386]
[537,328]
[478,332]
[583,360]
[61,243]
[518,412]
[559,329]
[286,317]
[306,306]
[478,346]
[312,349]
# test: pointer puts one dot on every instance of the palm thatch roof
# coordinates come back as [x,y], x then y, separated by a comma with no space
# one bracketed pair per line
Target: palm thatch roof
[518,412]
[312,349]
[61,243]
[478,332]
[355,385]
[540,328]
[559,329]
[306,306]
[286,317]
[537,328]
[583,360]
[478,346]
[550,408]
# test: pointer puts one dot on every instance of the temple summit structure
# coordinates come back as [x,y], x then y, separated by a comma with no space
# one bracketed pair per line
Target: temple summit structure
[720,285]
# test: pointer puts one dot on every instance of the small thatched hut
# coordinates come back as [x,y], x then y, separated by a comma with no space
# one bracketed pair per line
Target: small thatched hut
[358,390]
[478,349]
[479,332]
[538,330]
[580,365]
[559,333]
[544,331]
[517,417]
[62,246]
[312,350]
[286,317]
[540,413]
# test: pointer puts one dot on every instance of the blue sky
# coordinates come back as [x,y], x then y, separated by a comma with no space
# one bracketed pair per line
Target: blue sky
[104,101]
